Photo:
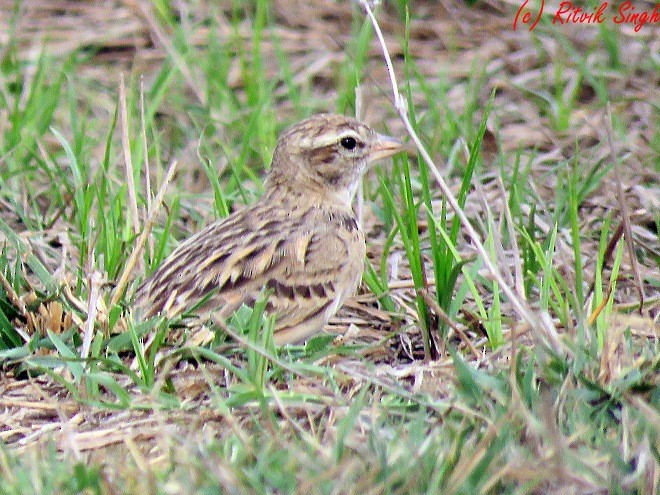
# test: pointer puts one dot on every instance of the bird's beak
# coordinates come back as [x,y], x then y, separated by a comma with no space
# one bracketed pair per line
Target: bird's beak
[386,146]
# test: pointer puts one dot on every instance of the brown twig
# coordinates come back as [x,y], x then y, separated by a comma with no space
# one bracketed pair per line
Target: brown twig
[625,214]
[609,251]
[435,307]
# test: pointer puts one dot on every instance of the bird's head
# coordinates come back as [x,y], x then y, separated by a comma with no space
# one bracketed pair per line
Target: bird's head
[327,154]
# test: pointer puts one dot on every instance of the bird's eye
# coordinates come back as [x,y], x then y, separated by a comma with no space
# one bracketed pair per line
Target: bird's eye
[348,142]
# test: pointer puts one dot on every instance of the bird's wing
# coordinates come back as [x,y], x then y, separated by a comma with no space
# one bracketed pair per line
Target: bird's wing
[309,265]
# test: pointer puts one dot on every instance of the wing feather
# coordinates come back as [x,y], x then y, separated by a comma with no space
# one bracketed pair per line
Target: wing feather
[310,264]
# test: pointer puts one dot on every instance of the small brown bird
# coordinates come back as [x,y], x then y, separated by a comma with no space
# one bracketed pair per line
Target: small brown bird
[301,240]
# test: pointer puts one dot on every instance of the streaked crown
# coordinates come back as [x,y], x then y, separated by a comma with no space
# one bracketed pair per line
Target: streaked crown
[328,153]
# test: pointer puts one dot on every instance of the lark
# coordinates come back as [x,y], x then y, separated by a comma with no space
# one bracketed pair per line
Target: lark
[300,242]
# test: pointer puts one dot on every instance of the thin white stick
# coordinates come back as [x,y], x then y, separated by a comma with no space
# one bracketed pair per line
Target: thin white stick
[128,162]
[147,172]
[95,280]
[517,261]
[541,324]
[359,203]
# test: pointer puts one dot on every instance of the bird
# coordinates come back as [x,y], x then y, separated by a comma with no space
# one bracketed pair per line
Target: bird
[300,242]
